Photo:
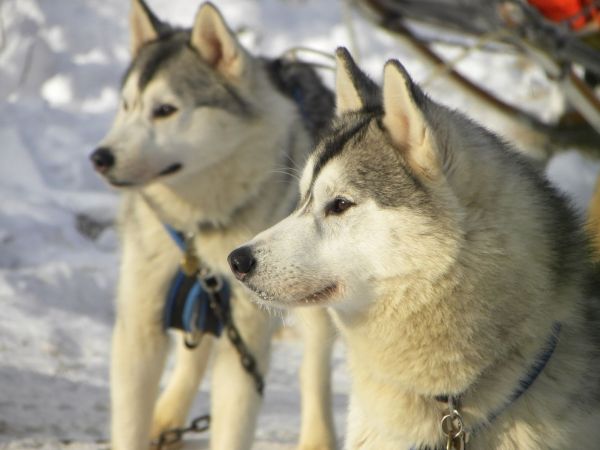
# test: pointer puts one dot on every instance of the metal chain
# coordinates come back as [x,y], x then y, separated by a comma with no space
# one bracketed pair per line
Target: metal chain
[212,284]
[174,435]
[191,265]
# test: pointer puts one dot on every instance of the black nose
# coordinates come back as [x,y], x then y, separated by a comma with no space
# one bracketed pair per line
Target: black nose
[103,159]
[241,262]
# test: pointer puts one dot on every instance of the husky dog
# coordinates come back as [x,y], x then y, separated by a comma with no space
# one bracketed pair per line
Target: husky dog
[455,273]
[206,140]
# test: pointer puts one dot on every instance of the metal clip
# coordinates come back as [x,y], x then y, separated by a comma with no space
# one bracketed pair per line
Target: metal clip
[453,427]
[192,339]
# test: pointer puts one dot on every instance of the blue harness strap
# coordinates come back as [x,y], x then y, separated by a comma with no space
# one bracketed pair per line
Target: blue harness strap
[187,306]
[176,236]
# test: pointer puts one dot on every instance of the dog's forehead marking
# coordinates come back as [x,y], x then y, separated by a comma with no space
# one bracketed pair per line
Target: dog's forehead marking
[130,90]
[335,144]
[330,180]
[328,149]
[158,87]
[326,184]
[305,179]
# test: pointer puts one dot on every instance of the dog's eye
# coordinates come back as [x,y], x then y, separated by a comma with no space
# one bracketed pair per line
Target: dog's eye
[164,110]
[338,206]
[125,105]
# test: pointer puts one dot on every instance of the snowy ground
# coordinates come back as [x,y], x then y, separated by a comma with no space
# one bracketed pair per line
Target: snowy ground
[60,64]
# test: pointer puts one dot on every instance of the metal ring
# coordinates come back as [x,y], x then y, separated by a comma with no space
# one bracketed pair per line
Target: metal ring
[216,287]
[447,424]
[168,437]
[200,424]
[248,362]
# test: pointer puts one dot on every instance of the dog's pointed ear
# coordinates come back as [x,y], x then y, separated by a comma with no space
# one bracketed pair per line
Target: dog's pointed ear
[354,89]
[405,122]
[143,24]
[217,44]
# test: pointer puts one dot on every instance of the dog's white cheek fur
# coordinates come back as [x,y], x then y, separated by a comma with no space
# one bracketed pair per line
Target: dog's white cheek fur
[287,269]
[303,254]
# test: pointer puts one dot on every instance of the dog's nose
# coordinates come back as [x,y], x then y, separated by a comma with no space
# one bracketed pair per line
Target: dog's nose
[241,262]
[103,159]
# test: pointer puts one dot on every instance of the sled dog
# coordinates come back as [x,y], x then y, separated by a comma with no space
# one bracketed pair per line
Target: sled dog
[206,141]
[459,278]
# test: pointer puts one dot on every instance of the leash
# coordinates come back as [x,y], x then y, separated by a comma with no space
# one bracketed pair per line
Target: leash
[452,423]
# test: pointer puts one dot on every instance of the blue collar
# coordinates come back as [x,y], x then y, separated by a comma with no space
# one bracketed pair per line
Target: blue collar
[539,364]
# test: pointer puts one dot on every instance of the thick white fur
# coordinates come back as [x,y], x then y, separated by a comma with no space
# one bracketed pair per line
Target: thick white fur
[231,177]
[435,306]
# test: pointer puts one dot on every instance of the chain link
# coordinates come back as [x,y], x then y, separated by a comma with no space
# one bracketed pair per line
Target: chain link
[174,435]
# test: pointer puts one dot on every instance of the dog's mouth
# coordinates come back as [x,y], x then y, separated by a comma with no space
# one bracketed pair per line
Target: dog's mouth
[169,170]
[317,297]
[173,168]
[118,183]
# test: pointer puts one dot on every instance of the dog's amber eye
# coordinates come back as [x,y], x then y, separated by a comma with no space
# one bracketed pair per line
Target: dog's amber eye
[164,110]
[338,206]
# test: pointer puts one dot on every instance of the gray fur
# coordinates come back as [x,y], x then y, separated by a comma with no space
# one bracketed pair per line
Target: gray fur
[381,174]
[173,57]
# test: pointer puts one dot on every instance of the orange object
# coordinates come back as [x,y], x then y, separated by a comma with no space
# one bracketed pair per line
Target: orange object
[577,13]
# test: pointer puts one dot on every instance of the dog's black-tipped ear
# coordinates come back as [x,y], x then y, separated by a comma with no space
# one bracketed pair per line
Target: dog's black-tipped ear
[217,44]
[405,122]
[354,89]
[143,24]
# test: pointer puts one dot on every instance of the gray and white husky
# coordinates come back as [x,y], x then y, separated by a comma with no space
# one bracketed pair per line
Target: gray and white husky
[206,140]
[458,277]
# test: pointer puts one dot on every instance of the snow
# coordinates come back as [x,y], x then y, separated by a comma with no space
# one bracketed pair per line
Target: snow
[60,65]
